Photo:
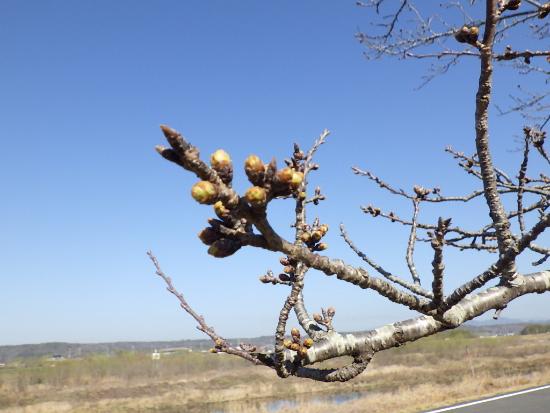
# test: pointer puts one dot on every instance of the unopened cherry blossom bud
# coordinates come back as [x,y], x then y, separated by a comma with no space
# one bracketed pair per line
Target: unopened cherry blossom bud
[220,209]
[209,235]
[321,246]
[224,248]
[284,175]
[256,196]
[316,235]
[297,179]
[254,164]
[284,277]
[204,192]
[289,269]
[461,35]
[512,4]
[220,159]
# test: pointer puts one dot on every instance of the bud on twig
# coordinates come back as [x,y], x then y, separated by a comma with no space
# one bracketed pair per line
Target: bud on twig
[512,5]
[220,159]
[221,163]
[224,248]
[284,175]
[467,35]
[421,192]
[297,179]
[256,196]
[209,235]
[284,277]
[255,169]
[316,236]
[220,210]
[204,192]
[321,246]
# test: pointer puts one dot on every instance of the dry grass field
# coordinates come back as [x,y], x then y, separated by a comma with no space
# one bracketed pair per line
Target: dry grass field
[432,372]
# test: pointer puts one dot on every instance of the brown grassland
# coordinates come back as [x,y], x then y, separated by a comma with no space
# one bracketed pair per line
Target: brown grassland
[432,372]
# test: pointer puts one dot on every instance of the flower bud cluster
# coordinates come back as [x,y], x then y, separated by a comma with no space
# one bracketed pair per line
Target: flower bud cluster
[220,245]
[312,235]
[289,270]
[219,346]
[467,35]
[536,137]
[325,318]
[269,182]
[205,192]
[295,343]
[374,211]
[421,192]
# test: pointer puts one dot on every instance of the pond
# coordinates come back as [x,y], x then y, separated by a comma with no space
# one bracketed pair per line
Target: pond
[275,405]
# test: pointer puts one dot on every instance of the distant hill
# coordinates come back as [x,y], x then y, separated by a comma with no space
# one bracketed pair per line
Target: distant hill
[69,350]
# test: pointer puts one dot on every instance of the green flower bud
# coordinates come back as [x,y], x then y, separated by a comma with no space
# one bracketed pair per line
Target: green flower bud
[285,175]
[297,179]
[220,210]
[256,196]
[220,159]
[254,164]
[204,192]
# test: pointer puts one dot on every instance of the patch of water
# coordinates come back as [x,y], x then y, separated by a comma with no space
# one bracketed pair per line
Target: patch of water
[276,405]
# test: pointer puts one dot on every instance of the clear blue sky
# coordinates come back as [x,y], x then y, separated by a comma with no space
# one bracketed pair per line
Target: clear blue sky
[84,86]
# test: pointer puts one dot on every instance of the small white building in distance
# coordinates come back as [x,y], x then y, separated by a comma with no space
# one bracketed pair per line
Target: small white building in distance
[155,355]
